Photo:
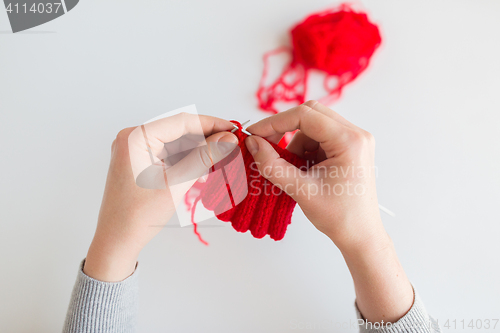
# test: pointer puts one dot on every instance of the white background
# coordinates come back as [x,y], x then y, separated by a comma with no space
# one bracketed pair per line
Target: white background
[430,97]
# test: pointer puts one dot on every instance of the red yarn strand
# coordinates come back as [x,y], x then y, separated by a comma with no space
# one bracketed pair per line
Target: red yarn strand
[338,42]
[195,225]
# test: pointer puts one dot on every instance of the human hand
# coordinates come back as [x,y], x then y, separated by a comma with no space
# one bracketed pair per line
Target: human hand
[131,215]
[338,195]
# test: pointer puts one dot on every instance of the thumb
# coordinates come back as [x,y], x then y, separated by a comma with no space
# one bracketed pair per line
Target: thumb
[193,165]
[277,170]
[182,175]
[202,158]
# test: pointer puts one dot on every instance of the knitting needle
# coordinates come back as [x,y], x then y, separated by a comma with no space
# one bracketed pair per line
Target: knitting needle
[387,211]
[236,127]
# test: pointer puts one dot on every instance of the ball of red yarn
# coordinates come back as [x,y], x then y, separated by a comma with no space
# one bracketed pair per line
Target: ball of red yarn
[338,42]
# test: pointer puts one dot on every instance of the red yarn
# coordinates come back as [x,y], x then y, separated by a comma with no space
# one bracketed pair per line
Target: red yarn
[265,210]
[195,225]
[338,42]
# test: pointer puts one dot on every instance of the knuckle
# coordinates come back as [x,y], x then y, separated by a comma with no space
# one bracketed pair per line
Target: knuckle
[185,117]
[357,138]
[361,139]
[369,138]
[205,158]
[180,117]
[266,169]
[303,110]
[121,138]
[123,134]
[311,103]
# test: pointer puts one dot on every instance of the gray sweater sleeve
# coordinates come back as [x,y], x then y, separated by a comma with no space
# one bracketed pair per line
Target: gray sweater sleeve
[111,307]
[97,306]
[416,320]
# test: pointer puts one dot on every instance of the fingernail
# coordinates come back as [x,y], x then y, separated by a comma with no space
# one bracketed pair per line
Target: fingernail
[227,143]
[252,145]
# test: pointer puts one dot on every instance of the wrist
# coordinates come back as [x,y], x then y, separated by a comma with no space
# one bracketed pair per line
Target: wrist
[366,248]
[360,235]
[383,291]
[110,262]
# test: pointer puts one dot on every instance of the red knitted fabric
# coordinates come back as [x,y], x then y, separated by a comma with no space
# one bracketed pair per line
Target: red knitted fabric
[265,210]
[339,42]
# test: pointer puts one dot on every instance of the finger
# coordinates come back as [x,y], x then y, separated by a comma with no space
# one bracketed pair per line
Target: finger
[330,113]
[191,167]
[171,128]
[301,143]
[201,159]
[187,171]
[275,138]
[278,171]
[159,132]
[148,144]
[332,136]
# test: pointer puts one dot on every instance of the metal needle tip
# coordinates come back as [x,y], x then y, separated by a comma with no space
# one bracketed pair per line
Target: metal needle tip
[236,127]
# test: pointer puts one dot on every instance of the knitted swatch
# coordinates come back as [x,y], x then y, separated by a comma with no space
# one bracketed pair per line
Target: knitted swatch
[264,208]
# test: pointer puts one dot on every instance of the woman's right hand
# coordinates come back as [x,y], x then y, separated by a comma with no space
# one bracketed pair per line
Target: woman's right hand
[338,195]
